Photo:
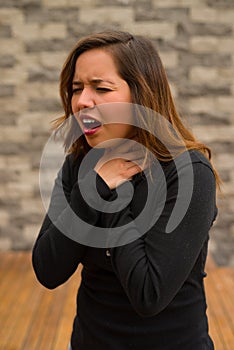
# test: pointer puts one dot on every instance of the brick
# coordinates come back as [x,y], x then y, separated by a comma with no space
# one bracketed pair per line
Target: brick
[212,118]
[203,89]
[6,90]
[31,177]
[177,75]
[199,44]
[28,61]
[53,31]
[224,161]
[220,3]
[9,3]
[49,15]
[37,89]
[79,30]
[190,59]
[202,104]
[106,15]
[203,74]
[35,119]
[19,189]
[226,75]
[226,45]
[25,31]
[9,46]
[30,3]
[11,134]
[7,61]
[30,233]
[189,28]
[5,176]
[43,75]
[5,31]
[3,162]
[5,243]
[228,189]
[45,104]
[8,119]
[204,14]
[11,105]
[53,59]
[54,3]
[150,29]
[232,175]
[214,133]
[13,76]
[225,104]
[11,15]
[32,205]
[4,218]
[213,15]
[226,15]
[232,89]
[49,45]
[169,59]
[174,3]
[83,3]
[144,12]
[15,163]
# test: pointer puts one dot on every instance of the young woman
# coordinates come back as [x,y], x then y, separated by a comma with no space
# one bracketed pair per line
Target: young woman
[143,289]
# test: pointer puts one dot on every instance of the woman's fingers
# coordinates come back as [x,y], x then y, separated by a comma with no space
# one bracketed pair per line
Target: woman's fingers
[131,171]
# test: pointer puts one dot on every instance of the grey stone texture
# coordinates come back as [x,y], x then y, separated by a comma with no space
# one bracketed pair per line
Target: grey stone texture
[196,42]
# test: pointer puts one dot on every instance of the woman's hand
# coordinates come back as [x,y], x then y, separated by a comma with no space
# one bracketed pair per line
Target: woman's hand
[120,164]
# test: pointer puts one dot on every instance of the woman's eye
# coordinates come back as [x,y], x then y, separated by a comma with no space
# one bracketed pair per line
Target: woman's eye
[76,91]
[100,89]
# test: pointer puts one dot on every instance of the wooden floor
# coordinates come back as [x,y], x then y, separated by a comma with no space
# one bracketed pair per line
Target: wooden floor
[34,318]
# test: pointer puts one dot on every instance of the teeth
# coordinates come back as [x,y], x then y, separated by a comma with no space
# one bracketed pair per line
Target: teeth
[89,121]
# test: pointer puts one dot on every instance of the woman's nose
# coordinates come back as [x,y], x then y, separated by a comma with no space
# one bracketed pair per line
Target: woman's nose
[85,99]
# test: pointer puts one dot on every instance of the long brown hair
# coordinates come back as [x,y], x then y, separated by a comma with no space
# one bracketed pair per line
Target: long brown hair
[139,64]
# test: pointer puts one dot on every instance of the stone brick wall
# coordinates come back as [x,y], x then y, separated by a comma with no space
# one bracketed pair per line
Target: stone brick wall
[196,42]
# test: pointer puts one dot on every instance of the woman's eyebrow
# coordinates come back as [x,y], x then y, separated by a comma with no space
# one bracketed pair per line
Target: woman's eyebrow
[94,81]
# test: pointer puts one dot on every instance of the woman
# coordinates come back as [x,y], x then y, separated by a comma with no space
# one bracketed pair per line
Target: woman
[145,291]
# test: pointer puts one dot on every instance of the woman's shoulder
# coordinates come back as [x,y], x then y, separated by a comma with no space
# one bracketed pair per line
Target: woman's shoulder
[189,163]
[198,157]
[187,158]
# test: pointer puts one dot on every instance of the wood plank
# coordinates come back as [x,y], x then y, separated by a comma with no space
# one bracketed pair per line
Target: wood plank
[226,301]
[52,320]
[214,327]
[215,297]
[39,324]
[62,336]
[12,296]
[24,316]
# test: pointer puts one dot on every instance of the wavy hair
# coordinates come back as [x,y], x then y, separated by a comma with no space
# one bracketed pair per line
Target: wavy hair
[139,64]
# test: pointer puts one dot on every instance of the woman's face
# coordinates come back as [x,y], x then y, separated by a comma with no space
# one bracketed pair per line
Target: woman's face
[96,83]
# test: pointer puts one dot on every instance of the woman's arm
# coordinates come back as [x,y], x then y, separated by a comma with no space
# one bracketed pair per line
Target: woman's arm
[57,253]
[153,268]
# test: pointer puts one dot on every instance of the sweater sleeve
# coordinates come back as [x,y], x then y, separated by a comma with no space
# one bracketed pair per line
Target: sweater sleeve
[56,252]
[154,267]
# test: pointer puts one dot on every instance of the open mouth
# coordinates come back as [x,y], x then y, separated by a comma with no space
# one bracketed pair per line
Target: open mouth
[90,124]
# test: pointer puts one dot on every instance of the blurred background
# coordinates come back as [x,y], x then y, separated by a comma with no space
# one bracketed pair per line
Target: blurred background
[196,42]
